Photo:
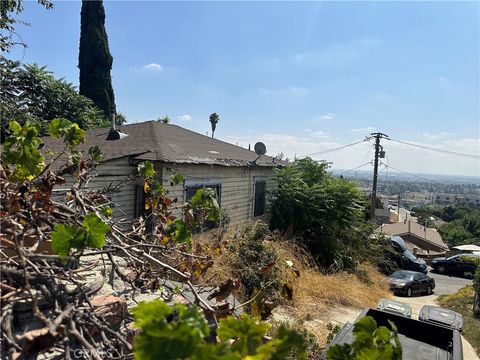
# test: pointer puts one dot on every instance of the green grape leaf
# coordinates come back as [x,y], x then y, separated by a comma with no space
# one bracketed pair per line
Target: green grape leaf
[64,237]
[20,151]
[14,127]
[146,169]
[156,187]
[75,136]
[75,157]
[247,331]
[59,127]
[179,231]
[95,153]
[96,230]
[165,336]
[285,340]
[176,179]
[106,211]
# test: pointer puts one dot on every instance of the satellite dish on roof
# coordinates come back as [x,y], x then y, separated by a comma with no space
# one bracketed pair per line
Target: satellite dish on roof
[260,148]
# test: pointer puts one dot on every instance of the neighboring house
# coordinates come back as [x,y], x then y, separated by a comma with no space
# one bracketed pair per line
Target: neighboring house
[447,199]
[240,177]
[422,241]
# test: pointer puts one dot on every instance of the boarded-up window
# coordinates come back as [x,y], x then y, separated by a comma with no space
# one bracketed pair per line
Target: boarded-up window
[259,197]
[139,201]
[190,190]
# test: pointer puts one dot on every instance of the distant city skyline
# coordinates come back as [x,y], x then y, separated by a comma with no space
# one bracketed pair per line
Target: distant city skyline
[302,77]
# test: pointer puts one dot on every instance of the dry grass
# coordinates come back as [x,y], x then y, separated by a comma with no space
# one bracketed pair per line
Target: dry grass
[315,293]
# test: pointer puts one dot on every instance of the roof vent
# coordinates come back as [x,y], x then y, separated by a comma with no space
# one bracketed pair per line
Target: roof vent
[114,134]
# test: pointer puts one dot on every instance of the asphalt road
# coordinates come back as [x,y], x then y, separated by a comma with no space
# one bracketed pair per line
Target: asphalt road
[446,285]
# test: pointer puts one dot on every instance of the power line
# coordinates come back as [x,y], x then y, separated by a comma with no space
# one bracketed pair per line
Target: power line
[355,168]
[469,156]
[405,172]
[334,149]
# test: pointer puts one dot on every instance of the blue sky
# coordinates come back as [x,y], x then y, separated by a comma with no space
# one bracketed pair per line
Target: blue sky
[301,77]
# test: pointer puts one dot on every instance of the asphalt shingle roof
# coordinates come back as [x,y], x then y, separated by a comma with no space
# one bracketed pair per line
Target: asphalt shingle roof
[411,227]
[157,141]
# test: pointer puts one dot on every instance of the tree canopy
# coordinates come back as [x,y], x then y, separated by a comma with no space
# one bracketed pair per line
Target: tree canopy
[327,212]
[8,35]
[30,93]
[95,60]
[214,118]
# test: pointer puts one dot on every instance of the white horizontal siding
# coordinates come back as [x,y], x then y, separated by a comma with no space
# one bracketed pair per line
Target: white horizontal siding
[237,185]
[108,173]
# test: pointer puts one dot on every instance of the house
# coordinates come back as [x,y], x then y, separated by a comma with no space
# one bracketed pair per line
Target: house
[240,177]
[420,240]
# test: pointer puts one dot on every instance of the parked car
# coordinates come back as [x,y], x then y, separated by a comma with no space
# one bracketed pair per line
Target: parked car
[410,261]
[408,283]
[456,264]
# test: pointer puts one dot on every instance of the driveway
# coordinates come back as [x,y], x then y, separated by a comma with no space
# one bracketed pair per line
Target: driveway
[446,285]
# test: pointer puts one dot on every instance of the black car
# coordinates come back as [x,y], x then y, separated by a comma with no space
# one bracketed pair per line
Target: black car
[408,283]
[456,264]
[410,261]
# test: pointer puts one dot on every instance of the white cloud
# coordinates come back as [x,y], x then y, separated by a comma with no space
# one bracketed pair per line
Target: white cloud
[435,136]
[399,156]
[292,90]
[184,117]
[298,90]
[339,54]
[365,129]
[329,116]
[321,134]
[153,67]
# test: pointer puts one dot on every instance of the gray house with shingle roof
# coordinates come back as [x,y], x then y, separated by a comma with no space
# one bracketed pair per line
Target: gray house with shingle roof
[422,241]
[240,177]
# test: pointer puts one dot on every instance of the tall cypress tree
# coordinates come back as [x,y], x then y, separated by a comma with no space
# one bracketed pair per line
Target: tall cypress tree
[95,60]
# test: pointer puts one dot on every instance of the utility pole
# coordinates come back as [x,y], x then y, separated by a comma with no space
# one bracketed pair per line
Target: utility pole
[378,149]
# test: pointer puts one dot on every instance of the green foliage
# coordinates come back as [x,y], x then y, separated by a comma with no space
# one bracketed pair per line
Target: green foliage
[92,233]
[95,60]
[205,200]
[20,151]
[179,231]
[371,343]
[168,332]
[327,212]
[32,94]
[8,22]
[145,169]
[176,179]
[71,132]
[165,119]
[462,226]
[95,153]
[178,332]
[214,119]
[255,264]
[463,302]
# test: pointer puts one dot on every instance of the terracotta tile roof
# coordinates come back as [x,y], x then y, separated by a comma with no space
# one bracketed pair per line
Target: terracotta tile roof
[411,227]
[157,141]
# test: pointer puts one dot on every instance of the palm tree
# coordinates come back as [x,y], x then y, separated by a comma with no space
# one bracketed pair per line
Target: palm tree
[214,118]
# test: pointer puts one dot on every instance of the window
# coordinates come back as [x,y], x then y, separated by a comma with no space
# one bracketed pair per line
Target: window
[259,197]
[190,190]
[139,201]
